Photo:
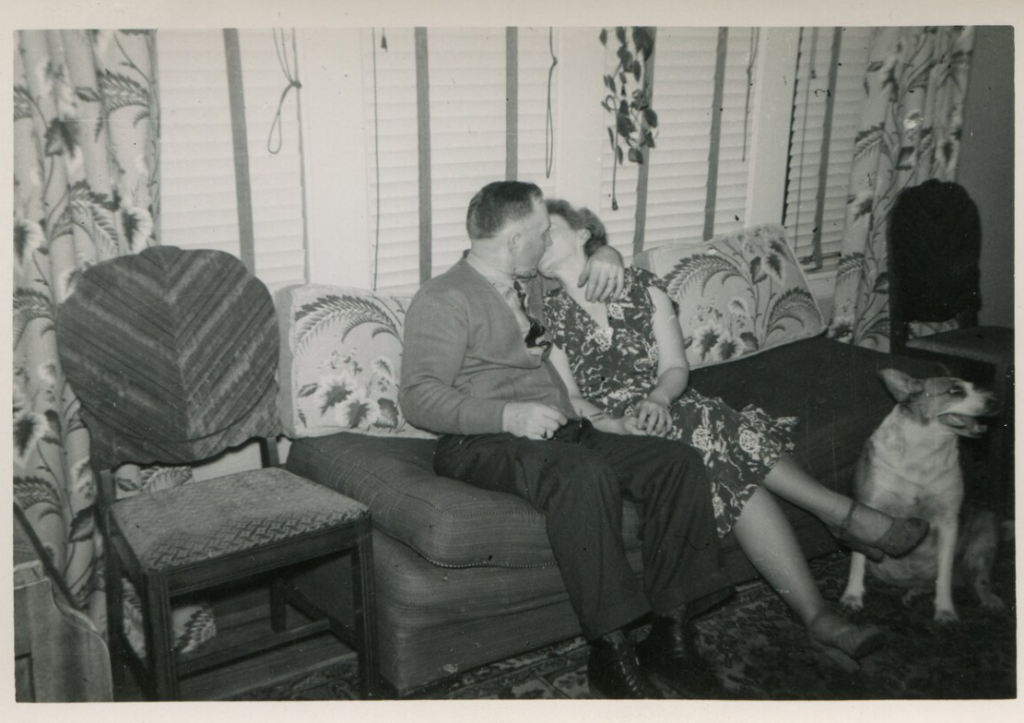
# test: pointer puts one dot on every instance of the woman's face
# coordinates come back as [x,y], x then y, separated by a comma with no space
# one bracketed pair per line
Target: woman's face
[565,244]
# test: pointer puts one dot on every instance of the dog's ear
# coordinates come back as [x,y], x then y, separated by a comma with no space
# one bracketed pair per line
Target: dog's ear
[900,385]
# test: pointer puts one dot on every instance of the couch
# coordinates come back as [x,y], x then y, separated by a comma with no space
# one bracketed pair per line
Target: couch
[464,576]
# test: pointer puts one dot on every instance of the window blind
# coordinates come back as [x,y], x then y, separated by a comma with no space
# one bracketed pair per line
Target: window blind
[389,97]
[467,77]
[198,210]
[537,47]
[677,185]
[198,202]
[806,198]
[467,129]
[699,141]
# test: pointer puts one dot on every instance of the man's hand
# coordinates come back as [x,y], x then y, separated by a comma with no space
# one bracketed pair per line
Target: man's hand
[531,419]
[603,275]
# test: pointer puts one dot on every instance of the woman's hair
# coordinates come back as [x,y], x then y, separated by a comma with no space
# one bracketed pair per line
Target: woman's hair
[580,218]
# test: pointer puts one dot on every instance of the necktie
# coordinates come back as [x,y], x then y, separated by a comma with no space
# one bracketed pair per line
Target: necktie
[536,331]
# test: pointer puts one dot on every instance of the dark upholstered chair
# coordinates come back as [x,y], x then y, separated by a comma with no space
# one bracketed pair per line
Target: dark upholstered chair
[934,276]
[173,356]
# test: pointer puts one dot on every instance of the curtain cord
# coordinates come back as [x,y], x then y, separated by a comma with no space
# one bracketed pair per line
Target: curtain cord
[549,121]
[293,82]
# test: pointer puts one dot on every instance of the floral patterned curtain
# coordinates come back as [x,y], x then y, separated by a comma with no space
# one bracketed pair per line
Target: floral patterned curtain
[910,132]
[85,189]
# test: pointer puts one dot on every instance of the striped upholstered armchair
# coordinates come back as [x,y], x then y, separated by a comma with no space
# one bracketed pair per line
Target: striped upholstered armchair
[173,356]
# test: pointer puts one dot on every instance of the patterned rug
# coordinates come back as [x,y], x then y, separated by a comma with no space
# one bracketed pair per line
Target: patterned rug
[762,652]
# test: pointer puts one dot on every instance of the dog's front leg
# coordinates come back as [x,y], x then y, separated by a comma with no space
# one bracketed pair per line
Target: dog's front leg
[946,543]
[853,596]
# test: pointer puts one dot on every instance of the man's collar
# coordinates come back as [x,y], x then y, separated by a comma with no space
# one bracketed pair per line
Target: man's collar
[488,270]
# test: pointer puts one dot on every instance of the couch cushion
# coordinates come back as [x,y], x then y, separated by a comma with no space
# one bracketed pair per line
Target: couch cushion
[341,356]
[450,523]
[832,387]
[738,294]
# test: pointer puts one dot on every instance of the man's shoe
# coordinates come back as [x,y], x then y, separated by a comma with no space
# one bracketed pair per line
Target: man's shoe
[670,653]
[613,670]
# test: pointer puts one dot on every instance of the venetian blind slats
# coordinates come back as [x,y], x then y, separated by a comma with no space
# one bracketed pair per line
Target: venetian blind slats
[534,63]
[391,127]
[198,199]
[805,153]
[198,209]
[683,97]
[276,178]
[734,144]
[467,129]
[467,88]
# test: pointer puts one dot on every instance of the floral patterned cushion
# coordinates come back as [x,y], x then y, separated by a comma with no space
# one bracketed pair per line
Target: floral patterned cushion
[191,625]
[738,294]
[341,356]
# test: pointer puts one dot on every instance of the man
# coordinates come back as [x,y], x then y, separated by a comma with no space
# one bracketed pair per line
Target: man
[475,369]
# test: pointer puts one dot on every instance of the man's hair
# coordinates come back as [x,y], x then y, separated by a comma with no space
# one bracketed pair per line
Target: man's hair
[497,204]
[580,218]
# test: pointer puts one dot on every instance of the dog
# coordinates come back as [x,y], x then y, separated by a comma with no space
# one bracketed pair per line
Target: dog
[910,467]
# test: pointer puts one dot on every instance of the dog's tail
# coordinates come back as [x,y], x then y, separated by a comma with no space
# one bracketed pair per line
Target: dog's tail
[980,535]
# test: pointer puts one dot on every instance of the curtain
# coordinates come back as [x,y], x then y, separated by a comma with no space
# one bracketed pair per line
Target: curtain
[910,132]
[86,189]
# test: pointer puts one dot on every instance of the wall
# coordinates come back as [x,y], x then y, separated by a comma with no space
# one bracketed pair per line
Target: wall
[987,165]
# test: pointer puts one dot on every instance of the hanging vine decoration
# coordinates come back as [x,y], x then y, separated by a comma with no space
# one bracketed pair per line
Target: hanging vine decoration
[634,121]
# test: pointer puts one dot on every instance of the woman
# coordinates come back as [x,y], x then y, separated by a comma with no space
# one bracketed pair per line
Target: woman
[625,368]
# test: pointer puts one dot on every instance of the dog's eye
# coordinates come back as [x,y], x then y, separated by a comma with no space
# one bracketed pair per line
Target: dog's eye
[956,391]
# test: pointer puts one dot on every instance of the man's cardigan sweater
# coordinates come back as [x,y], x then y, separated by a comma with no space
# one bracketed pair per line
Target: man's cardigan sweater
[465,358]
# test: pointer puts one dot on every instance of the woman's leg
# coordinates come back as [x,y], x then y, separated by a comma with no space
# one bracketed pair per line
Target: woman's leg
[792,483]
[770,544]
[768,540]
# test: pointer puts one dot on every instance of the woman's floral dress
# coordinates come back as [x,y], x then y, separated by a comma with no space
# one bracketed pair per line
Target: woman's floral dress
[616,367]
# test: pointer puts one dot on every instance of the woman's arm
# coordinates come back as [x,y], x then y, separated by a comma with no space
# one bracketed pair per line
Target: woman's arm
[583,407]
[673,371]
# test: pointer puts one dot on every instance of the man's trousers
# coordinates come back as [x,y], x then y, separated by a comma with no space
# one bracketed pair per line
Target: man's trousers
[578,481]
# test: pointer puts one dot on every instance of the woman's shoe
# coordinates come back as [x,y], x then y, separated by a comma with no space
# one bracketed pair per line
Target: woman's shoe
[842,640]
[901,537]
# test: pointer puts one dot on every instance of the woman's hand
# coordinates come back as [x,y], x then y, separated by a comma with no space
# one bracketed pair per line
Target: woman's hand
[620,425]
[653,418]
[629,426]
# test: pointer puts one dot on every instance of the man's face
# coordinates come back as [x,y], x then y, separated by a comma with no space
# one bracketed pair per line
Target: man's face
[534,233]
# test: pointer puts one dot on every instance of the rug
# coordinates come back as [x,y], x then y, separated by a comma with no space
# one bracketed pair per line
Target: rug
[762,653]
